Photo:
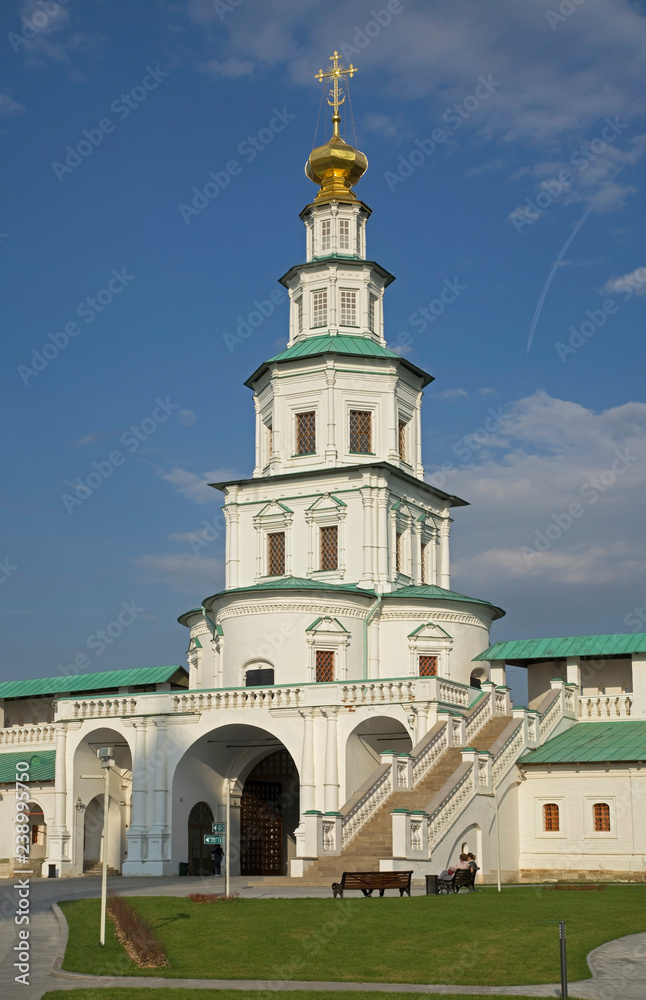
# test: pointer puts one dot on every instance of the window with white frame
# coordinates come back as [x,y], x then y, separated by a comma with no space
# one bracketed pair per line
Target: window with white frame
[276,553]
[401,439]
[329,547]
[422,562]
[344,234]
[270,440]
[372,314]
[319,308]
[326,236]
[348,308]
[601,817]
[299,314]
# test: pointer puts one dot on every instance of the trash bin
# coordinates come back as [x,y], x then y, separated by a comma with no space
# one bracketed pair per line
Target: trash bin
[431,885]
[51,871]
[183,867]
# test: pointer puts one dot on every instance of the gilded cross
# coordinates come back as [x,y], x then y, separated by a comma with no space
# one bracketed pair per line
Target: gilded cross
[335,74]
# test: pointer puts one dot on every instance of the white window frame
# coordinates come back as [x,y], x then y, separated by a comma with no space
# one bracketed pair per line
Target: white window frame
[439,645]
[295,414]
[344,234]
[353,311]
[589,801]
[362,407]
[324,310]
[324,517]
[539,822]
[327,635]
[272,518]
[326,236]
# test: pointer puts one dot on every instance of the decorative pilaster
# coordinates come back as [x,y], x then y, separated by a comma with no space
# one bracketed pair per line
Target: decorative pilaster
[158,838]
[382,536]
[331,453]
[308,778]
[368,537]
[445,562]
[257,469]
[331,774]
[136,836]
[232,561]
[418,437]
[59,836]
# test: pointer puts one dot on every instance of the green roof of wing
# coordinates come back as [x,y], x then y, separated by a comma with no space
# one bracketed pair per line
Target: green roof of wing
[432,591]
[295,583]
[345,344]
[41,765]
[555,649]
[100,681]
[593,742]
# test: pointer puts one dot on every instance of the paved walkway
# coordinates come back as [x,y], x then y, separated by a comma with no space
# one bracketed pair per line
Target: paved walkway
[618,967]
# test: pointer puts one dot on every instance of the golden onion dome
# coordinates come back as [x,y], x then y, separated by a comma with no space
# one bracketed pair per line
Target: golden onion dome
[337,167]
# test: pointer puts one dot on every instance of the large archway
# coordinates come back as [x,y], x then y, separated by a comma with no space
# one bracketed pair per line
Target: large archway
[269,815]
[366,742]
[87,837]
[93,835]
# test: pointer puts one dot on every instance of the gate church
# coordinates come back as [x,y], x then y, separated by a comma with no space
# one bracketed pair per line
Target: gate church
[339,693]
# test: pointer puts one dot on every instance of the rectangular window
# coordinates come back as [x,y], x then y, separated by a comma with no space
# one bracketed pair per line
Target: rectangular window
[601,816]
[299,308]
[319,309]
[330,547]
[270,441]
[306,433]
[276,553]
[361,432]
[402,440]
[428,666]
[398,552]
[324,665]
[344,234]
[551,817]
[325,236]
[371,318]
[348,308]
[424,554]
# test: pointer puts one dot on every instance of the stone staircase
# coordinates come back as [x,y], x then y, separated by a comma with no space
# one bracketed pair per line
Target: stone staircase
[95,869]
[374,840]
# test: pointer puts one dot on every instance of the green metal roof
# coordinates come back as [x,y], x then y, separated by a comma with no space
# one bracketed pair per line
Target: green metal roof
[431,591]
[41,765]
[593,742]
[520,650]
[105,679]
[344,344]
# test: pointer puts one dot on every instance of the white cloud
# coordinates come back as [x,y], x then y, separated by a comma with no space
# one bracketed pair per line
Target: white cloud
[635,281]
[183,572]
[486,168]
[453,394]
[547,455]
[230,69]
[195,487]
[8,106]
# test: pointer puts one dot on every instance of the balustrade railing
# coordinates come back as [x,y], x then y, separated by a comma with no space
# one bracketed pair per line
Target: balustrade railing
[27,735]
[605,706]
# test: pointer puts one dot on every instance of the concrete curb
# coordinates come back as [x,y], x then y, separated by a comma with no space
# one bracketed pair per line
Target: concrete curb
[63,935]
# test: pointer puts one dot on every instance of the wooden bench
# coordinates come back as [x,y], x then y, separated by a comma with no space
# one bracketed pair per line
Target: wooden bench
[367,882]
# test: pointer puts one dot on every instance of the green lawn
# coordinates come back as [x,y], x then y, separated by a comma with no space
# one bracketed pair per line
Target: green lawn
[179,994]
[484,938]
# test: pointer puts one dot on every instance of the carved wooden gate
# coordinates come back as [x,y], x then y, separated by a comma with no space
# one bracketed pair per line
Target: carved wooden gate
[261,829]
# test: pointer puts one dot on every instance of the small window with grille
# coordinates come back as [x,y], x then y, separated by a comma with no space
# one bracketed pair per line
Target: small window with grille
[324,665]
[330,547]
[276,553]
[348,308]
[299,315]
[402,440]
[601,817]
[344,234]
[551,817]
[423,557]
[398,552]
[319,309]
[306,433]
[270,441]
[325,236]
[427,666]
[361,432]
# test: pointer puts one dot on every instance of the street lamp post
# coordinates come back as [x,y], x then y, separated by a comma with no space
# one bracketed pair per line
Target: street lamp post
[106,759]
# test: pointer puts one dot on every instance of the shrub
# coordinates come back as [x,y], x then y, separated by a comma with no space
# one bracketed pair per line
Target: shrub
[136,935]
[211,897]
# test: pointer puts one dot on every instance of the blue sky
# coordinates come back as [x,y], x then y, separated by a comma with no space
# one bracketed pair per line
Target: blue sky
[506,145]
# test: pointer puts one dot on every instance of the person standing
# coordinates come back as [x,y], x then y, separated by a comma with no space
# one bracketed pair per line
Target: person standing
[216,857]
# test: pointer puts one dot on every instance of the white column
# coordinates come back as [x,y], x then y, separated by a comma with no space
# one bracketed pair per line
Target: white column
[382,535]
[418,436]
[232,568]
[330,449]
[573,668]
[136,835]
[639,685]
[445,563]
[257,470]
[158,837]
[432,548]
[416,545]
[368,537]
[308,780]
[498,673]
[59,837]
[331,775]
[393,419]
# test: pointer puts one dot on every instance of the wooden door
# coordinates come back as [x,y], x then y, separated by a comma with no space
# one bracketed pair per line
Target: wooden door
[261,829]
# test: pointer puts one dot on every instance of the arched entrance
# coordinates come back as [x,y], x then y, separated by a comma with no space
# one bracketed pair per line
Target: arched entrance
[269,815]
[37,834]
[200,822]
[93,835]
[366,742]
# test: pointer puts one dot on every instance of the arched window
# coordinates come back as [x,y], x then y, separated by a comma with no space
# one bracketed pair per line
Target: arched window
[551,817]
[601,817]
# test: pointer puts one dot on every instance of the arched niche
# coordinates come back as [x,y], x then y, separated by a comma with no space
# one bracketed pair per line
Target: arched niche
[366,742]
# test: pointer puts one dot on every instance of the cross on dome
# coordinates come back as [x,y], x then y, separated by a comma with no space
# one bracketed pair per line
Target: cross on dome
[335,73]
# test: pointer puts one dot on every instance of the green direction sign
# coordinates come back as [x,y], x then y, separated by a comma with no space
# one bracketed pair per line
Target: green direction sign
[218,828]
[210,839]
[219,840]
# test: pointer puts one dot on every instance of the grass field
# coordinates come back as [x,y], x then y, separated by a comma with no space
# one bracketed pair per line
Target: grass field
[179,994]
[484,938]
